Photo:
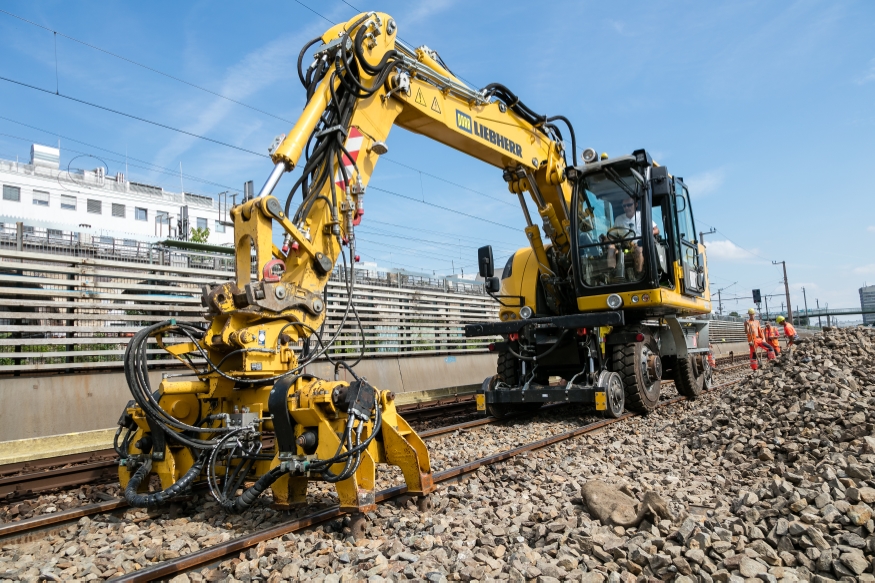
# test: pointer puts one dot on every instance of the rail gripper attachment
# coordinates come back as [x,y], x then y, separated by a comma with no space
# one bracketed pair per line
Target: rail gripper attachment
[278,405]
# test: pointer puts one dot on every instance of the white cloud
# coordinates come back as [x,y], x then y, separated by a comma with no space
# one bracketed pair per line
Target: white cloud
[868,76]
[619,27]
[425,10]
[706,183]
[728,251]
[868,269]
[871,228]
[255,72]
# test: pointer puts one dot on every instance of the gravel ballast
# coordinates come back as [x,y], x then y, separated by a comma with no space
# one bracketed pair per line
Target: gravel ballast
[770,479]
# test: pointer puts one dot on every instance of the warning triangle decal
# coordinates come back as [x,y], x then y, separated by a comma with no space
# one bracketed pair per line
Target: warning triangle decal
[419,98]
[435,106]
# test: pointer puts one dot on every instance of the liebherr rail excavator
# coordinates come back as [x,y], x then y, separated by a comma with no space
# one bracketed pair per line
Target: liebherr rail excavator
[597,305]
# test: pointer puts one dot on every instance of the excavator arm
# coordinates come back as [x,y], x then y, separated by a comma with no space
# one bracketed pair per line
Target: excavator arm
[254,412]
[362,82]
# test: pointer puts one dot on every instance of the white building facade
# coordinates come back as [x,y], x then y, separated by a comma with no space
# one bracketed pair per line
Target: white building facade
[43,196]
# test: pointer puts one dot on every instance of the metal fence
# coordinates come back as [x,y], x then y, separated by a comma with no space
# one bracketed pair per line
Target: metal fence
[72,304]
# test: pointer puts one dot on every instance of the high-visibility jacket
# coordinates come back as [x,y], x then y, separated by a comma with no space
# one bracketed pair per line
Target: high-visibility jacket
[789,330]
[754,332]
[771,333]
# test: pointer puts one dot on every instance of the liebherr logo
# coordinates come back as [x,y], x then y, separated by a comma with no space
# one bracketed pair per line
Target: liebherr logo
[465,123]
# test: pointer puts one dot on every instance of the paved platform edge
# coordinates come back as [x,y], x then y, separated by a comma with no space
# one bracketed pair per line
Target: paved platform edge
[37,448]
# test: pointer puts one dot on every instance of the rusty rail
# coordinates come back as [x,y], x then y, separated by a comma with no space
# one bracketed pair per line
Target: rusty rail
[212,554]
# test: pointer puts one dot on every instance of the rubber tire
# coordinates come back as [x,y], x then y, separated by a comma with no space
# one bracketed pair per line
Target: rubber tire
[508,373]
[688,384]
[626,358]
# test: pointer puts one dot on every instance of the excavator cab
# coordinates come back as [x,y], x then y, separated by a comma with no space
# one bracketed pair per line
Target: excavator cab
[634,243]
[636,274]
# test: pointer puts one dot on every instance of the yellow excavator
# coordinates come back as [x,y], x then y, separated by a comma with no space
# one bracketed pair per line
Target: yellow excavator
[595,304]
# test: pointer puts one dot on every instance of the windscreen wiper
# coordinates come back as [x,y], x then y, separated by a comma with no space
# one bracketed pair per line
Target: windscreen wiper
[615,178]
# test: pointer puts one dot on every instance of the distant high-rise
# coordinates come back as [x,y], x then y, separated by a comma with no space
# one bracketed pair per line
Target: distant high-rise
[867,302]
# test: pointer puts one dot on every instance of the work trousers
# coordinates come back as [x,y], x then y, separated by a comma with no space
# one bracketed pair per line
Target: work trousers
[764,345]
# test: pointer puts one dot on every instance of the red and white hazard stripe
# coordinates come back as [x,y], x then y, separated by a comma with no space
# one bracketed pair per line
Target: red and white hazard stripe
[353,146]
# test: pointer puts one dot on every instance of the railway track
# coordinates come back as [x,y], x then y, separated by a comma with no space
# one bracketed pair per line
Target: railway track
[212,555]
[31,529]
[34,477]
[24,479]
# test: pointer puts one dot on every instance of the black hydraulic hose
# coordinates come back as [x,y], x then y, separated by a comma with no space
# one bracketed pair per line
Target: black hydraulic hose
[564,119]
[136,371]
[520,356]
[245,500]
[360,55]
[546,352]
[301,58]
[156,499]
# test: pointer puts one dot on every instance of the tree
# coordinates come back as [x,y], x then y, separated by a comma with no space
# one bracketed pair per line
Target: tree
[733,314]
[200,235]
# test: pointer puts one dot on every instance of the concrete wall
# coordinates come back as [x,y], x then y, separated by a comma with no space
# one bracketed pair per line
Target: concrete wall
[53,405]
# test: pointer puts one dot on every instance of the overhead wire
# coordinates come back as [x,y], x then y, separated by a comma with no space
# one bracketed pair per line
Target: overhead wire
[243,104]
[131,116]
[147,67]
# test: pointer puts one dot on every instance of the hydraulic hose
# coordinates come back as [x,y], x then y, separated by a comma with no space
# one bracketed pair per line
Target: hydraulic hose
[245,500]
[156,499]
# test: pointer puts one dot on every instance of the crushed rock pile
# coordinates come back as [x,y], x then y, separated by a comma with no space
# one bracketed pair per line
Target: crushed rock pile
[797,439]
[767,480]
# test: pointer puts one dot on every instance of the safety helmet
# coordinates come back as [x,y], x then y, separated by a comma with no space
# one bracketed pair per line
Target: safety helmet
[751,311]
[779,319]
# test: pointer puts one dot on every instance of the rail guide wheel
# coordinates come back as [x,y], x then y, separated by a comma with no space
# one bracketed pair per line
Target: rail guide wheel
[615,394]
[640,368]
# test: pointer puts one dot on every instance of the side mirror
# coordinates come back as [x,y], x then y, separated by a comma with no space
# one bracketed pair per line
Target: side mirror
[493,284]
[485,262]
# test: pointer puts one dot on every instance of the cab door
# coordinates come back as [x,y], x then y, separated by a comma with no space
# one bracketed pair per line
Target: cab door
[687,245]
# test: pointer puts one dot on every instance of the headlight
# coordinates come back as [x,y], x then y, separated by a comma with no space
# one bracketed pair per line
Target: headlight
[589,156]
[525,312]
[614,301]
[634,299]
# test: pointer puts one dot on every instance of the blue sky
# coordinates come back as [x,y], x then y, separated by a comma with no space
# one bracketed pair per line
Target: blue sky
[767,109]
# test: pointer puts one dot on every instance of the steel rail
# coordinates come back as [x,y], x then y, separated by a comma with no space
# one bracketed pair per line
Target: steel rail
[210,555]
[33,477]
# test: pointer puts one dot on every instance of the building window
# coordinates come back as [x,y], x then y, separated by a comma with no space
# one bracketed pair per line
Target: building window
[106,240]
[94,206]
[40,198]
[162,218]
[55,234]
[220,227]
[118,210]
[202,223]
[141,214]
[68,202]
[12,193]
[129,243]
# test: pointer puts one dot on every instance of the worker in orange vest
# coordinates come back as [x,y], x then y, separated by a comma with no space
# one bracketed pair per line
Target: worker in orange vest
[756,338]
[772,336]
[789,332]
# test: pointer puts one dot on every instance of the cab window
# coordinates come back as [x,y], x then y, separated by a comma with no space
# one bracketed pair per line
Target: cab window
[609,230]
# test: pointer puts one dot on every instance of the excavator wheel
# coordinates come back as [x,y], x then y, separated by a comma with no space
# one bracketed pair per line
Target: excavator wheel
[689,376]
[640,367]
[508,373]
